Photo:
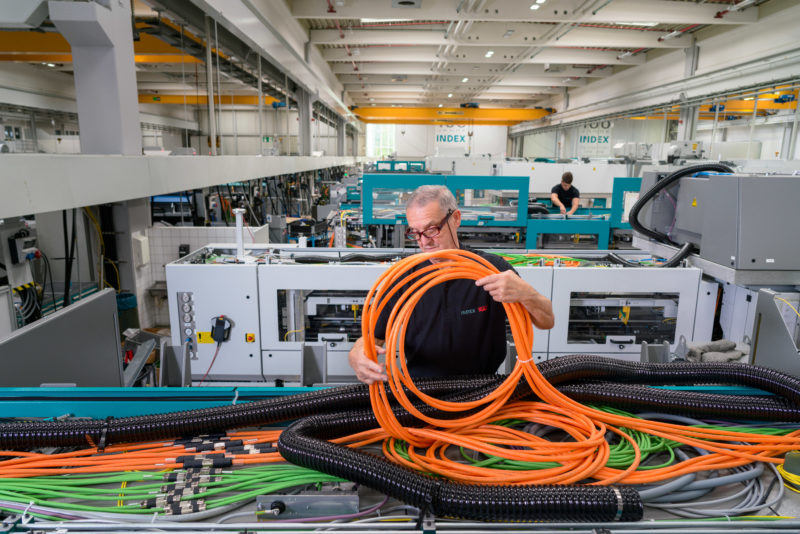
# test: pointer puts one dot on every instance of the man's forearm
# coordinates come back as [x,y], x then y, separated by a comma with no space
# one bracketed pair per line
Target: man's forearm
[541,310]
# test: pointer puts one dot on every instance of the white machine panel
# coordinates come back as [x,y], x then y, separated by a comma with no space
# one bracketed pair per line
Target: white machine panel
[198,293]
[605,305]
[276,281]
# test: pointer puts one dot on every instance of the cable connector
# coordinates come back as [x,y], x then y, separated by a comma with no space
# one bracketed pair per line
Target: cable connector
[221,330]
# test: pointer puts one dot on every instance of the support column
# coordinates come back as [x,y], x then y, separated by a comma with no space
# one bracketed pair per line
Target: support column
[305,102]
[341,134]
[105,78]
[688,122]
[791,152]
[212,119]
[688,114]
[260,112]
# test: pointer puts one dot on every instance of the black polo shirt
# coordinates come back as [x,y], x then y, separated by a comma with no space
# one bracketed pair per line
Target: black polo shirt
[566,196]
[456,328]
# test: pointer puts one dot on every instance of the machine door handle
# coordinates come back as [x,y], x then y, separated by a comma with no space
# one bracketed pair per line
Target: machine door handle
[621,341]
[341,338]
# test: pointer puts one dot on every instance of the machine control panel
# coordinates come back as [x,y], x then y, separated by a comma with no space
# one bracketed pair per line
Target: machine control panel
[188,327]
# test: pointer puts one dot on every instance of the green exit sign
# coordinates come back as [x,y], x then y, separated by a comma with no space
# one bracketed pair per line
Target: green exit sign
[266,138]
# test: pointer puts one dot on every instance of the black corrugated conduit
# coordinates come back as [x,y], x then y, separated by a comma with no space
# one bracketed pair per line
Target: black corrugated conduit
[26,435]
[590,367]
[563,370]
[631,397]
[633,215]
[304,443]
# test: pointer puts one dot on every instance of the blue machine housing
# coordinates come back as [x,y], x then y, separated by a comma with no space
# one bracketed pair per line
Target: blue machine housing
[400,166]
[390,192]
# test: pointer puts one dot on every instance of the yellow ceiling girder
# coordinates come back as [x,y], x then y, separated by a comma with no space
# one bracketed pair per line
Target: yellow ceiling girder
[410,115]
[201,100]
[67,58]
[746,106]
[442,122]
[50,47]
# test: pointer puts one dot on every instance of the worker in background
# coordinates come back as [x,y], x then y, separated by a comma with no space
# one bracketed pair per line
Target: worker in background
[564,196]
[458,327]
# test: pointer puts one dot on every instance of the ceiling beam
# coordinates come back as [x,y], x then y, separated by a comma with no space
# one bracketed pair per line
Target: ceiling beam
[491,35]
[556,11]
[501,56]
[465,69]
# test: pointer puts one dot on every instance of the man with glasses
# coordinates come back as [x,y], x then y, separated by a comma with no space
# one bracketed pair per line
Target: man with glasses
[458,327]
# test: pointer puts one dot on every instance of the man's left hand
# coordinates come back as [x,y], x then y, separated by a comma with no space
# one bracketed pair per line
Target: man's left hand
[505,287]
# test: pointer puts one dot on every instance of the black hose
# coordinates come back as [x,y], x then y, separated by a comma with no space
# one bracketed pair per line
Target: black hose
[348,258]
[301,444]
[25,435]
[633,215]
[70,257]
[589,367]
[660,185]
[558,371]
[633,397]
[678,257]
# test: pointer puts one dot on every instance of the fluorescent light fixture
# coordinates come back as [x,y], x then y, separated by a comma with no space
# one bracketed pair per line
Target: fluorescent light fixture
[626,54]
[541,1]
[647,24]
[741,5]
[440,105]
[490,53]
[508,34]
[748,98]
[449,95]
[51,64]
[535,6]
[464,80]
[671,35]
[475,67]
[368,21]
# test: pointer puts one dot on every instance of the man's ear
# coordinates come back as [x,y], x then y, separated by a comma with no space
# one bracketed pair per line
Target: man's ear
[456,218]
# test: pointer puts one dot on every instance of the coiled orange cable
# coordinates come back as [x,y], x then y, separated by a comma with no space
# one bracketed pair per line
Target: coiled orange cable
[578,460]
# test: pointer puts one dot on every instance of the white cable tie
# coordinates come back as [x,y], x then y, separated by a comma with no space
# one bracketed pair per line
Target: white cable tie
[525,361]
[235,396]
[153,519]
[25,520]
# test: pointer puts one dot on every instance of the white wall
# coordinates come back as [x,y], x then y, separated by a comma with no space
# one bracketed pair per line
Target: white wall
[541,145]
[415,141]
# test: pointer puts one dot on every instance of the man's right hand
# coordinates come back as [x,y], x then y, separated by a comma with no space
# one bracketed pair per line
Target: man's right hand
[563,210]
[366,370]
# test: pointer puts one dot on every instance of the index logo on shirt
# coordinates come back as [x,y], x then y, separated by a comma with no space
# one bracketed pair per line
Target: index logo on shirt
[470,311]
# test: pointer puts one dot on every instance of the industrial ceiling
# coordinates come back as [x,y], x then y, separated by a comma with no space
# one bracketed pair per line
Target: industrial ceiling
[409,55]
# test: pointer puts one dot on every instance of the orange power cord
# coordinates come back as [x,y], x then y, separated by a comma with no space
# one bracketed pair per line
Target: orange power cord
[578,460]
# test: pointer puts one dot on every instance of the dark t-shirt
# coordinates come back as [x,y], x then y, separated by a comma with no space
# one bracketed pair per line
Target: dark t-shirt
[456,328]
[566,196]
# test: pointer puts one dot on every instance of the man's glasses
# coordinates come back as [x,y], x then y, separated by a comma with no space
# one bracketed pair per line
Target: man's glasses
[429,232]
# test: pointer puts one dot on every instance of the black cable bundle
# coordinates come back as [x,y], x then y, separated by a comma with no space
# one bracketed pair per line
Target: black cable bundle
[633,216]
[304,442]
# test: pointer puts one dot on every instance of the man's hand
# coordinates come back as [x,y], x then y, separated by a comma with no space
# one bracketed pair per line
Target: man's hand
[563,210]
[505,287]
[509,287]
[366,370]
